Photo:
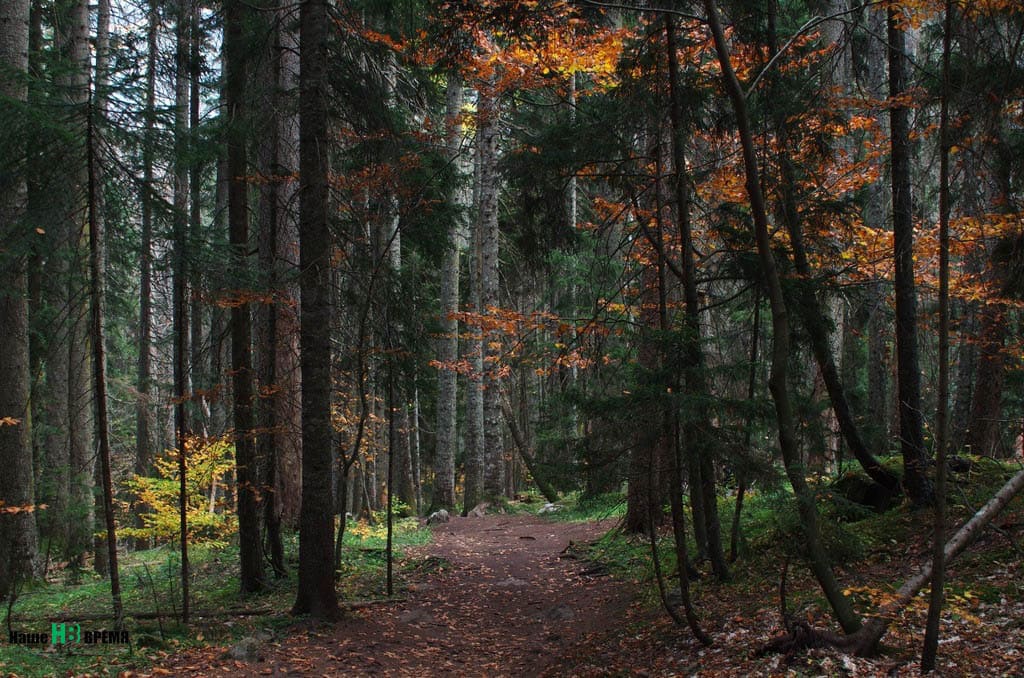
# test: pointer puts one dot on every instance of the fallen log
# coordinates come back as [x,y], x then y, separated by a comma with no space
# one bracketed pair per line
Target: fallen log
[865,641]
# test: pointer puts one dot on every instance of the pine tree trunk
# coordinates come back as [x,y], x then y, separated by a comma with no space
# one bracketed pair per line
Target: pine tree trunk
[644,496]
[937,600]
[288,483]
[236,74]
[875,212]
[18,538]
[69,449]
[278,442]
[197,372]
[494,453]
[474,468]
[316,595]
[143,407]
[448,344]
[985,421]
[179,293]
[699,440]
[915,460]
[106,561]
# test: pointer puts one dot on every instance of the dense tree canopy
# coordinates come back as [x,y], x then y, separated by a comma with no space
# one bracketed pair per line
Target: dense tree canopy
[284,266]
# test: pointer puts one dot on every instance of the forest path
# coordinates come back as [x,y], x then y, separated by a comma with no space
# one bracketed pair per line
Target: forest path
[494,596]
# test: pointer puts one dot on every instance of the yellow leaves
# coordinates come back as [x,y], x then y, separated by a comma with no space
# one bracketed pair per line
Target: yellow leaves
[210,461]
[9,421]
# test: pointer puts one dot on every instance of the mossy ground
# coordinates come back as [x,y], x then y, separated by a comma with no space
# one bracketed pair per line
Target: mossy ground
[150,581]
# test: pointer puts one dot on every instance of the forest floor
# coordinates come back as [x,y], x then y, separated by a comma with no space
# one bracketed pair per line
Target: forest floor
[518,594]
[498,595]
[522,595]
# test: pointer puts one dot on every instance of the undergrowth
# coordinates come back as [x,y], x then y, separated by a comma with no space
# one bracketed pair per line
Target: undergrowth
[150,582]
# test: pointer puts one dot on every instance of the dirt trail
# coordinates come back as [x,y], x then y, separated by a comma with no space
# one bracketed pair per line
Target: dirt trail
[506,602]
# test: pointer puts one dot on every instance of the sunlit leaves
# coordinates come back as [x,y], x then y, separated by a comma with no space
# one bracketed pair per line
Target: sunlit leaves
[210,463]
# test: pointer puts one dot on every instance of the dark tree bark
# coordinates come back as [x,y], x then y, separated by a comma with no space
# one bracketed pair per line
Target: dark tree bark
[179,293]
[699,440]
[316,595]
[875,211]
[814,318]
[278,440]
[18,540]
[985,421]
[931,636]
[236,15]
[143,407]
[97,260]
[915,460]
[645,478]
[69,451]
[806,507]
[197,358]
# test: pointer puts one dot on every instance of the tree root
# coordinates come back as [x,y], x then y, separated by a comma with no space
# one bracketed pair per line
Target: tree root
[802,636]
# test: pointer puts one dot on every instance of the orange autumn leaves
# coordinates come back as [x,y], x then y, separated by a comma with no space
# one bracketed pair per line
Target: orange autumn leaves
[540,341]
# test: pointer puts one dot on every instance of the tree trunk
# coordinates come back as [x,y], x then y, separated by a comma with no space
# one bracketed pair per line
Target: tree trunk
[644,498]
[316,594]
[474,466]
[931,636]
[814,316]
[288,484]
[18,538]
[915,460]
[696,434]
[278,440]
[179,293]
[69,453]
[97,261]
[985,421]
[448,344]
[871,634]
[526,454]
[236,15]
[875,213]
[494,453]
[780,341]
[143,406]
[36,197]
[197,371]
